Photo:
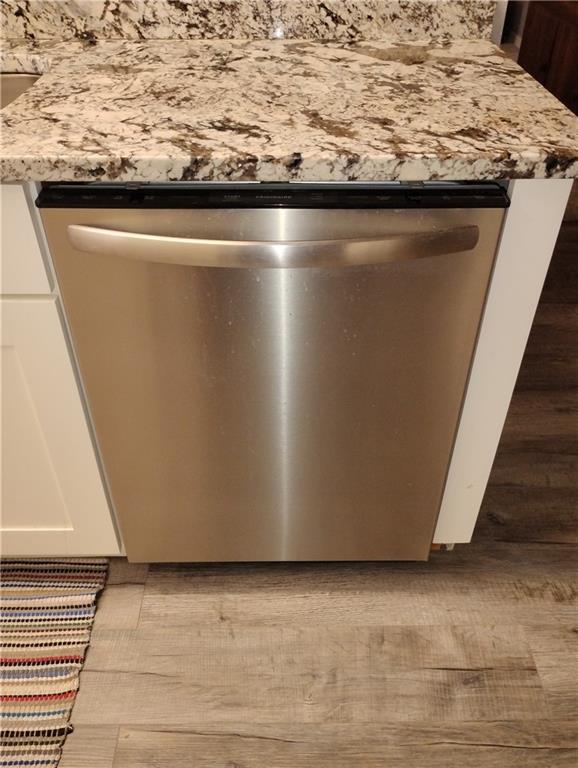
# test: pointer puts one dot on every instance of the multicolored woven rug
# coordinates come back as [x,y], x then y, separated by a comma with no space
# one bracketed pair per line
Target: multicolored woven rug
[46,612]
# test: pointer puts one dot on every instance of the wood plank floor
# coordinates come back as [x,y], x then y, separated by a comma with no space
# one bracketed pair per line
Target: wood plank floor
[469,659]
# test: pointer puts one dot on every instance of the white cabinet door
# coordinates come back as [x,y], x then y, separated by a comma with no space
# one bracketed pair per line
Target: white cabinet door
[22,269]
[52,496]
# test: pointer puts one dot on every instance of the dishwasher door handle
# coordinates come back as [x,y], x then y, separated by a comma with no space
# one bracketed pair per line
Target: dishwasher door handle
[259,254]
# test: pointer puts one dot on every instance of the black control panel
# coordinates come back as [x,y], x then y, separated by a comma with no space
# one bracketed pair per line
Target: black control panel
[274,195]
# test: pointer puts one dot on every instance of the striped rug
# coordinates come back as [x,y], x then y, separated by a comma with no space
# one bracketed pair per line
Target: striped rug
[47,607]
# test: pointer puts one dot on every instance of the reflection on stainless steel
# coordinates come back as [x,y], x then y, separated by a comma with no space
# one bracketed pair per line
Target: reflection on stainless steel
[302,413]
[284,371]
[282,314]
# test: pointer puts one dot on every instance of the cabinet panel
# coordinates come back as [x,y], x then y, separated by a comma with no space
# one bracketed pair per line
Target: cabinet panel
[563,78]
[31,492]
[539,41]
[53,500]
[549,50]
[22,269]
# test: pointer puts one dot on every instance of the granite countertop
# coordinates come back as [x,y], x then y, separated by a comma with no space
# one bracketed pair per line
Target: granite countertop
[246,19]
[280,110]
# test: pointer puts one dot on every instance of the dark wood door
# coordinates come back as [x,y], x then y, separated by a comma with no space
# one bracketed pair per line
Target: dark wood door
[549,50]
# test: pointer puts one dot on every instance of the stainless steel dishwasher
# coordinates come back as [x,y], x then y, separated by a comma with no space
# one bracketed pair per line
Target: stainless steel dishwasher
[274,371]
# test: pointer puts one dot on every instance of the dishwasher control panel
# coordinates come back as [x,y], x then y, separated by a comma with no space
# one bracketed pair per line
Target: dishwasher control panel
[351,195]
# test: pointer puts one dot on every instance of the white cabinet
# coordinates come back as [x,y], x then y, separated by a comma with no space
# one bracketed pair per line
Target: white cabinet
[528,239]
[52,495]
[23,270]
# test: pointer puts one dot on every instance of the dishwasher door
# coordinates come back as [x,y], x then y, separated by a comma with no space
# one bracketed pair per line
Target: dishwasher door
[274,384]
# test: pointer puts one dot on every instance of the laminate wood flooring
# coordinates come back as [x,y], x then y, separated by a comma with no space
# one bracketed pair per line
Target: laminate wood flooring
[470,659]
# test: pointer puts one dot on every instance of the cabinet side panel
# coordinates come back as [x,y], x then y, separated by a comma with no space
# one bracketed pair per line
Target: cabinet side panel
[528,238]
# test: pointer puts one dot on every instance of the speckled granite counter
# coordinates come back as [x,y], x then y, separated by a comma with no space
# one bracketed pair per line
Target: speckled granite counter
[245,19]
[281,110]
